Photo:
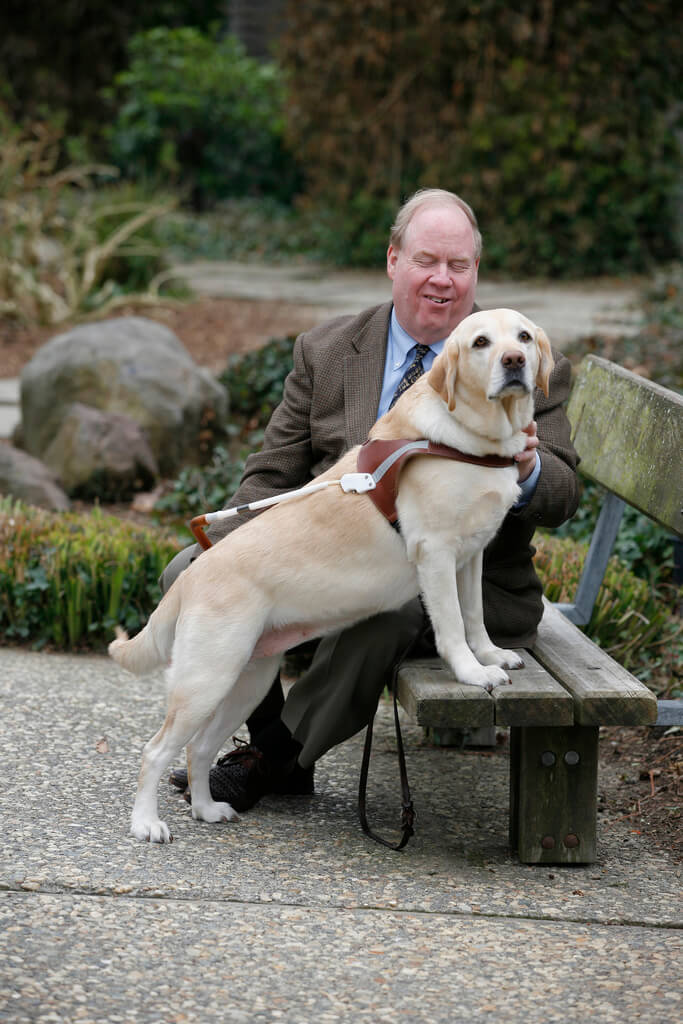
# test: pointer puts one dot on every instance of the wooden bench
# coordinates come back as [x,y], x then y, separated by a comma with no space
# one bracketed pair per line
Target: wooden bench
[628,433]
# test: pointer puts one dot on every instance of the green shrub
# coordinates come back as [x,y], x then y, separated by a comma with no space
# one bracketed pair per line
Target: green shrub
[57,57]
[641,544]
[199,489]
[196,110]
[558,123]
[255,380]
[66,579]
[634,623]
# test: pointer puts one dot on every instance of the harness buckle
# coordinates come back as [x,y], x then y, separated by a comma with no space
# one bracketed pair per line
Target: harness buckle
[358,483]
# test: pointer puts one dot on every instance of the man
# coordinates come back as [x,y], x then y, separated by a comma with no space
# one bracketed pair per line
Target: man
[345,375]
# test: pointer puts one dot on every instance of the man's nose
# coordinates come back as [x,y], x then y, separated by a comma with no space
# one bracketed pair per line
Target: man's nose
[440,272]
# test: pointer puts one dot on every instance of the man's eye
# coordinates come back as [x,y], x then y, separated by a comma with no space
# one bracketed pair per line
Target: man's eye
[524,336]
[481,342]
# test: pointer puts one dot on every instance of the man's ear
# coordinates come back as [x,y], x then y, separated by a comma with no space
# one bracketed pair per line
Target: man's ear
[546,362]
[442,375]
[392,256]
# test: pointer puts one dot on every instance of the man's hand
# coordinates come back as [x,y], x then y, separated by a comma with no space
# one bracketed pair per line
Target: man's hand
[526,460]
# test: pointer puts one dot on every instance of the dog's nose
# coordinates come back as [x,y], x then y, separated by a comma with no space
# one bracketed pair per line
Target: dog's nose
[513,360]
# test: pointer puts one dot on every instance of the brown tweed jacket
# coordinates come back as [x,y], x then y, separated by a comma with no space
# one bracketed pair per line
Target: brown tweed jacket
[330,403]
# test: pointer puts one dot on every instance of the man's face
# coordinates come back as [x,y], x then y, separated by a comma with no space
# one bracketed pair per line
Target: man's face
[434,273]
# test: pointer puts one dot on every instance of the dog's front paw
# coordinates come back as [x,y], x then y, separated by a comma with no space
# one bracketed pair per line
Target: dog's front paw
[500,657]
[153,831]
[485,676]
[214,811]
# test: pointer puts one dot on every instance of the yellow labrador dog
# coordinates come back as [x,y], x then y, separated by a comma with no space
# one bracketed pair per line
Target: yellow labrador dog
[330,559]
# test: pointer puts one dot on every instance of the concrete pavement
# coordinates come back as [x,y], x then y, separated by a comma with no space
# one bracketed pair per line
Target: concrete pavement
[292,914]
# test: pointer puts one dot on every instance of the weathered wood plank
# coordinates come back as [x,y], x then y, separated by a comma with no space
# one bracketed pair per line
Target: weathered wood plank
[429,693]
[533,698]
[628,433]
[553,794]
[604,693]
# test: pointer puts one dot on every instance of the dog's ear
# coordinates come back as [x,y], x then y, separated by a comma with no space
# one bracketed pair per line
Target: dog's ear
[546,362]
[442,374]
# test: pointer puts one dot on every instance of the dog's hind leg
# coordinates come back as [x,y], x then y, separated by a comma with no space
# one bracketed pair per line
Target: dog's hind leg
[247,693]
[208,658]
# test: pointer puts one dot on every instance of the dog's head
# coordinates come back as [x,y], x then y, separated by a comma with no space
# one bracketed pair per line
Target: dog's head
[495,354]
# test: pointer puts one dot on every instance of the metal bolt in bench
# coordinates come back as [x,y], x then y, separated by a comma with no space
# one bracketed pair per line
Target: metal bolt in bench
[628,433]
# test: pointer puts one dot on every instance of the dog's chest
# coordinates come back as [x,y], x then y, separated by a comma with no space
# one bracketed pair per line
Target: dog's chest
[462,505]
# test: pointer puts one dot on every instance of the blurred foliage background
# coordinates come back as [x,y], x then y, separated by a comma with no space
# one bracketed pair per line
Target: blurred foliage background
[559,123]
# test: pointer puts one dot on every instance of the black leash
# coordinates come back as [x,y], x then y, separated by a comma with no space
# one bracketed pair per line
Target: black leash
[407,809]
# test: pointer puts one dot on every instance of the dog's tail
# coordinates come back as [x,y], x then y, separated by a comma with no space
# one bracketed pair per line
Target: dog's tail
[152,646]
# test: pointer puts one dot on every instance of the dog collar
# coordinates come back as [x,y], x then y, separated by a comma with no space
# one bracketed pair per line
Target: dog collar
[383,460]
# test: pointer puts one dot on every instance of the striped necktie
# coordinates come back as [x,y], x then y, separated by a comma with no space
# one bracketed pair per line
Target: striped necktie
[415,370]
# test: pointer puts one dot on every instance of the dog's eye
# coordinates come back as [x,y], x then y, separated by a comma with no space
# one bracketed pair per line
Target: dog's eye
[524,336]
[481,342]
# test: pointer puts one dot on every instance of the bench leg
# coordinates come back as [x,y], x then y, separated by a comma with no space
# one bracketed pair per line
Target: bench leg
[553,793]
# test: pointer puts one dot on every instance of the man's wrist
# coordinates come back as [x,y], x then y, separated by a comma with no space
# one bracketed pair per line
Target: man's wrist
[528,486]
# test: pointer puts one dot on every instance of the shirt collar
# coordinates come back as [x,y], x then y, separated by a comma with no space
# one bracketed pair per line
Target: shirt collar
[402,342]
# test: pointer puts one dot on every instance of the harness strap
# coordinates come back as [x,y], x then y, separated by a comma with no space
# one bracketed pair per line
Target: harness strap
[384,461]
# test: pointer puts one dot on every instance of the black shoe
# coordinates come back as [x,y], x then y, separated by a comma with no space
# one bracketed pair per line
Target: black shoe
[243,776]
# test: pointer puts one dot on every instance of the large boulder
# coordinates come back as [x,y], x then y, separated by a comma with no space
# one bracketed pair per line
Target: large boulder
[26,478]
[130,366]
[101,455]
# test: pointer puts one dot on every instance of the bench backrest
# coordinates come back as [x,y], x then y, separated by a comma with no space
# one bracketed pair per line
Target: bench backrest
[629,434]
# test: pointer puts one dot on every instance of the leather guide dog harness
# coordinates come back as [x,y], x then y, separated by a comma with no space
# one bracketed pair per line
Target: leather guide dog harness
[379,464]
[383,460]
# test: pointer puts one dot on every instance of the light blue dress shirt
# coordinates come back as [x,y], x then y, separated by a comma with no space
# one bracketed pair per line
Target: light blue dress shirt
[400,354]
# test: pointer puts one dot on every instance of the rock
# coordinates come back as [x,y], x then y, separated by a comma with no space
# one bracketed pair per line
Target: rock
[101,454]
[28,479]
[130,366]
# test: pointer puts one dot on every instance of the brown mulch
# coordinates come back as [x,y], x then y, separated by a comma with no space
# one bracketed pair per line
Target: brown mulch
[641,783]
[641,769]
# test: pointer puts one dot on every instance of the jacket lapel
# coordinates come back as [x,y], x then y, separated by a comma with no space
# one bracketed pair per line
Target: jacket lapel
[363,376]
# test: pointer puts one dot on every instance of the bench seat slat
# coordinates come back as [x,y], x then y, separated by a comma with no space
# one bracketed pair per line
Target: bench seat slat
[604,693]
[428,692]
[431,695]
[534,698]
